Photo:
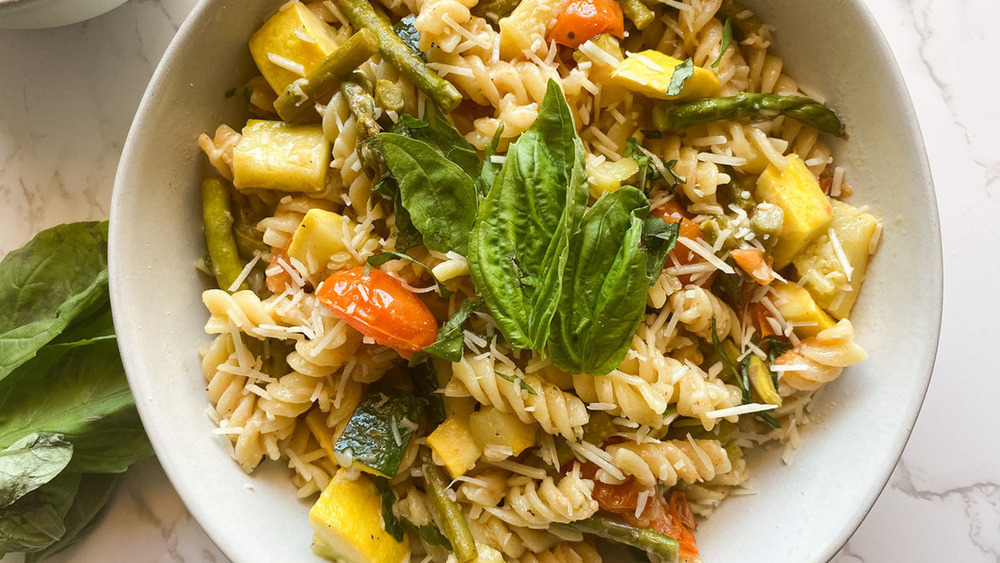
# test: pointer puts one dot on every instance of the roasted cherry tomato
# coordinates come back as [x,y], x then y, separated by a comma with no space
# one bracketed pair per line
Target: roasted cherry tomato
[672,517]
[378,306]
[673,212]
[582,20]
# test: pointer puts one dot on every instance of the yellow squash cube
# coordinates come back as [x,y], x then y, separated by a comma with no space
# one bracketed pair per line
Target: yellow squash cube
[608,176]
[347,524]
[319,238]
[807,210]
[273,155]
[820,265]
[796,305]
[650,72]
[526,24]
[490,427]
[452,442]
[293,36]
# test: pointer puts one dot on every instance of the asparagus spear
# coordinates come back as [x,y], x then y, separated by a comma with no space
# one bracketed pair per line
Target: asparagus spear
[448,512]
[362,14]
[645,539]
[637,13]
[300,95]
[357,91]
[216,213]
[670,117]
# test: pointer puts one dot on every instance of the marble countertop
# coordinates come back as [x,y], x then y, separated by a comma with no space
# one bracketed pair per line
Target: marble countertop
[67,97]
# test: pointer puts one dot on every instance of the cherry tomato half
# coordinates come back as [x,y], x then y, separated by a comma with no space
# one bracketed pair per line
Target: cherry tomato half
[378,306]
[582,20]
[673,212]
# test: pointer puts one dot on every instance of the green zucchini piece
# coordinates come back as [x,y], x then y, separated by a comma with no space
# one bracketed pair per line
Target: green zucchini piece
[381,427]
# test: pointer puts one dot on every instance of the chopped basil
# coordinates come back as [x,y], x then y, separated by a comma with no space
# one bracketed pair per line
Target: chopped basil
[680,76]
[727,38]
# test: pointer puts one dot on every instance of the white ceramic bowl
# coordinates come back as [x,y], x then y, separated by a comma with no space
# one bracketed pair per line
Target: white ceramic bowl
[802,512]
[35,14]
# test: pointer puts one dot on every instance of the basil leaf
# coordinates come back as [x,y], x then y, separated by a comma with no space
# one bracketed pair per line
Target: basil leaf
[429,532]
[680,76]
[604,289]
[776,347]
[58,276]
[520,244]
[727,38]
[438,131]
[37,520]
[377,260]
[80,391]
[450,338]
[31,462]
[489,169]
[390,522]
[659,238]
[407,31]
[93,493]
[651,169]
[440,198]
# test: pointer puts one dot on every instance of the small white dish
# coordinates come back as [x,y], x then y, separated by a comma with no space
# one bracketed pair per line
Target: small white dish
[37,14]
[800,512]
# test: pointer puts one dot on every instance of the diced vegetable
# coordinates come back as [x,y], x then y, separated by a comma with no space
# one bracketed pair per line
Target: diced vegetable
[753,261]
[608,176]
[302,94]
[448,512]
[651,73]
[453,442]
[273,155]
[378,432]
[821,265]
[427,385]
[347,524]
[673,212]
[217,215]
[294,35]
[319,237]
[527,23]
[378,306]
[490,427]
[807,211]
[797,306]
[582,20]
[766,221]
[637,13]
[761,380]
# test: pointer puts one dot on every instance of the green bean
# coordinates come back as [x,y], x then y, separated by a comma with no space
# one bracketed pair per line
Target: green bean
[494,11]
[216,213]
[362,14]
[388,96]
[301,95]
[449,514]
[670,117]
[637,12]
[645,539]
[760,379]
[357,92]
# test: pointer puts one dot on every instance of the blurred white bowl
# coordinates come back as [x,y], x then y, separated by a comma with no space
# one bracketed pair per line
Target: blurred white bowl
[802,512]
[37,14]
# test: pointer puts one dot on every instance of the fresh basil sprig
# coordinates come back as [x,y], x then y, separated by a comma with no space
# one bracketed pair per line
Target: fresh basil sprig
[438,195]
[604,288]
[520,244]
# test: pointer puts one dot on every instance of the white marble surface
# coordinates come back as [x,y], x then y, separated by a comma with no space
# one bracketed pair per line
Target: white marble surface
[67,97]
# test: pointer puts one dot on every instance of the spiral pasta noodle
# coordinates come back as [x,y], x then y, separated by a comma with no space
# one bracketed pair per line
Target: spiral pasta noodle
[671,462]
[577,552]
[820,359]
[556,411]
[538,504]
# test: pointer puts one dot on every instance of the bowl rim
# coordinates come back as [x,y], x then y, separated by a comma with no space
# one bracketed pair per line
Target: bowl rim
[203,515]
